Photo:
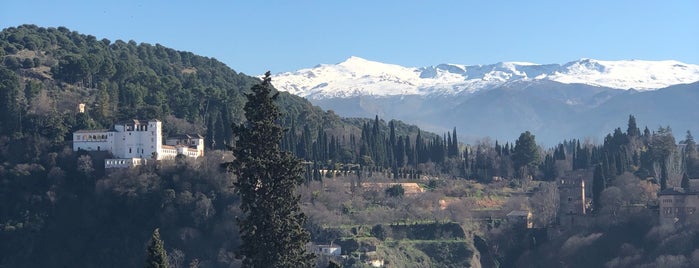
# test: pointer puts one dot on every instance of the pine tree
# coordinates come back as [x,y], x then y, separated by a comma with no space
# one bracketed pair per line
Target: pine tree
[156,255]
[271,229]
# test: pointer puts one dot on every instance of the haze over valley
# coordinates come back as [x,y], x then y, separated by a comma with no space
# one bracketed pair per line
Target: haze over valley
[580,99]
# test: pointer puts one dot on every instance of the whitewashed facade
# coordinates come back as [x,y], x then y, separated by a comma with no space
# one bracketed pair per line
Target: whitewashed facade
[134,142]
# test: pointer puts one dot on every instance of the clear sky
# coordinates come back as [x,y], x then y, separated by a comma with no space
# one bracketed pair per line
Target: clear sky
[255,36]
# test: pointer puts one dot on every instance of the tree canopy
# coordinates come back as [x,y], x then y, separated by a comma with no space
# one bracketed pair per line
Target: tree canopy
[526,153]
[272,226]
[156,256]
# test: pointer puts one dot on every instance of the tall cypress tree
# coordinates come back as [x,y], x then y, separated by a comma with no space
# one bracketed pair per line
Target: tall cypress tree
[685,182]
[598,185]
[156,255]
[271,228]
[633,130]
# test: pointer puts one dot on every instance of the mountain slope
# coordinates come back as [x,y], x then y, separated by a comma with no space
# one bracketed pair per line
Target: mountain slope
[581,99]
[359,77]
[120,80]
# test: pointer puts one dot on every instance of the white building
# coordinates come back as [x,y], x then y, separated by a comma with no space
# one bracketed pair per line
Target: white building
[330,250]
[134,141]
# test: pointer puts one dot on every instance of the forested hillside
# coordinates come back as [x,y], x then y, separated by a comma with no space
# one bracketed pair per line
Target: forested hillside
[49,71]
[53,198]
[60,208]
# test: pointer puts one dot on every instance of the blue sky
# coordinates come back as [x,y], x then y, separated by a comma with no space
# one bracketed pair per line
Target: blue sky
[255,36]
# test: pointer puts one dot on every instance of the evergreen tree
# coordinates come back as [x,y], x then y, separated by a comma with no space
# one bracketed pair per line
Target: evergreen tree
[691,155]
[663,176]
[598,185]
[662,146]
[334,264]
[454,145]
[396,190]
[685,181]
[526,154]
[11,96]
[156,255]
[633,130]
[271,228]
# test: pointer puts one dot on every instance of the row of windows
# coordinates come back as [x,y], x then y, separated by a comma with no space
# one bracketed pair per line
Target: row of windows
[137,128]
[676,210]
[142,150]
[117,162]
[91,137]
[168,151]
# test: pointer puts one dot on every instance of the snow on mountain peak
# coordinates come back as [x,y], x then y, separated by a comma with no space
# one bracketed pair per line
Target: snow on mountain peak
[628,74]
[357,76]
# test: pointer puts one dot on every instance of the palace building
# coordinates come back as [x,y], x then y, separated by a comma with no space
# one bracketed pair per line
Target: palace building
[134,142]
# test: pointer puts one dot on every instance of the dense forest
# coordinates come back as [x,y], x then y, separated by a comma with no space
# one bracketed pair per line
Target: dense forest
[62,208]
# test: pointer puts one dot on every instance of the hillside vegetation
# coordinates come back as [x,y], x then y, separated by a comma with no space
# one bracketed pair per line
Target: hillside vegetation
[382,189]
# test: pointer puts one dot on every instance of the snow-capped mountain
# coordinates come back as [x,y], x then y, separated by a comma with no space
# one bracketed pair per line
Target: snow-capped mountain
[359,77]
[580,99]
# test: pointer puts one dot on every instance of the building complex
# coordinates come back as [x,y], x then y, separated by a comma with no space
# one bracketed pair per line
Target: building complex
[134,142]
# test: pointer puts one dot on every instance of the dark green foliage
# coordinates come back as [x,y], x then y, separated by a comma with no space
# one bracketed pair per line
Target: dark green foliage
[598,185]
[271,228]
[633,130]
[53,198]
[447,254]
[156,257]
[57,202]
[685,182]
[661,147]
[334,264]
[11,102]
[662,144]
[526,153]
[691,156]
[429,231]
[395,191]
[380,232]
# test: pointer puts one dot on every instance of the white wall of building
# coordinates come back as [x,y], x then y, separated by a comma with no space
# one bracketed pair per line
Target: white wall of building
[99,140]
[137,140]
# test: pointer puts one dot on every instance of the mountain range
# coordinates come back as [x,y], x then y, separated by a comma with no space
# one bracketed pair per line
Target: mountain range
[580,99]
